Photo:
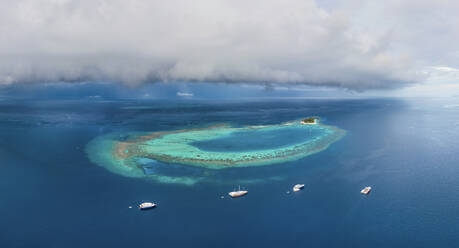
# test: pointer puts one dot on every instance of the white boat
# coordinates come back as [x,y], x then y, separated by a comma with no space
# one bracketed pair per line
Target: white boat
[298,187]
[366,190]
[147,205]
[238,193]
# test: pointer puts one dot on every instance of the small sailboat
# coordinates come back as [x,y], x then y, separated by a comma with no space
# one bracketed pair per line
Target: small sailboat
[298,187]
[147,205]
[238,193]
[366,190]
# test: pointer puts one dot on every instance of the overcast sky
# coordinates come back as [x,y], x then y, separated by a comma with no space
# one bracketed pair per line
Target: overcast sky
[358,45]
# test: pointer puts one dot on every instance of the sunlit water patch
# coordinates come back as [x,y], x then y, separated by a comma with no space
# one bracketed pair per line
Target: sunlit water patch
[192,155]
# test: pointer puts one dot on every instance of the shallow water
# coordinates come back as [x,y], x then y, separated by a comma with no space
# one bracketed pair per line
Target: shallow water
[125,154]
[53,196]
[254,140]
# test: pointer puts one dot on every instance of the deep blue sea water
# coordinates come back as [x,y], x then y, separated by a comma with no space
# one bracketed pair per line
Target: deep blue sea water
[51,195]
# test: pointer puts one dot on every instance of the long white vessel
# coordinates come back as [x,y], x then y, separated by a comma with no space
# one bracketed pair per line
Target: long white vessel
[298,187]
[238,193]
[147,205]
[366,190]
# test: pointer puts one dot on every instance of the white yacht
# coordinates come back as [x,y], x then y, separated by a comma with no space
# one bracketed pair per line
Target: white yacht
[147,205]
[366,190]
[298,187]
[238,193]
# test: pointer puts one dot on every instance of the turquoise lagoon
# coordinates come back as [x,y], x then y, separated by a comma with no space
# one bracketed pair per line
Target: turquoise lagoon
[146,154]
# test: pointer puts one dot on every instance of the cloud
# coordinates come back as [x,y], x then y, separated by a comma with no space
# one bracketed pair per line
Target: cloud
[445,69]
[258,41]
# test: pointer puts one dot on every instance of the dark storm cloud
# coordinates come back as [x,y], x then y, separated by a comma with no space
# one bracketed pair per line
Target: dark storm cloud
[257,41]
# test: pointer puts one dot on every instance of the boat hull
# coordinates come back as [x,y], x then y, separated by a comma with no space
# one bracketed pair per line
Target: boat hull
[146,206]
[365,191]
[298,187]
[237,194]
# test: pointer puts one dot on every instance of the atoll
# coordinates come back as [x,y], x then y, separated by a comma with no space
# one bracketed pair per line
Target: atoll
[213,147]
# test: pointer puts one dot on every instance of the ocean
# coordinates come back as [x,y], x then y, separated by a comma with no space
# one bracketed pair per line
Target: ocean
[52,195]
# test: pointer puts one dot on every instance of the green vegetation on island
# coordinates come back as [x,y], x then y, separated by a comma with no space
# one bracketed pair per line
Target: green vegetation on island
[310,120]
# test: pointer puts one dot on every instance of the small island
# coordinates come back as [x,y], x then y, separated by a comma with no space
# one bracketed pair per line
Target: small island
[310,121]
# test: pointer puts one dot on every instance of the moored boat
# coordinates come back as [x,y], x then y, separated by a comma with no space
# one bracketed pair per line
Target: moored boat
[238,193]
[366,190]
[147,205]
[298,187]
